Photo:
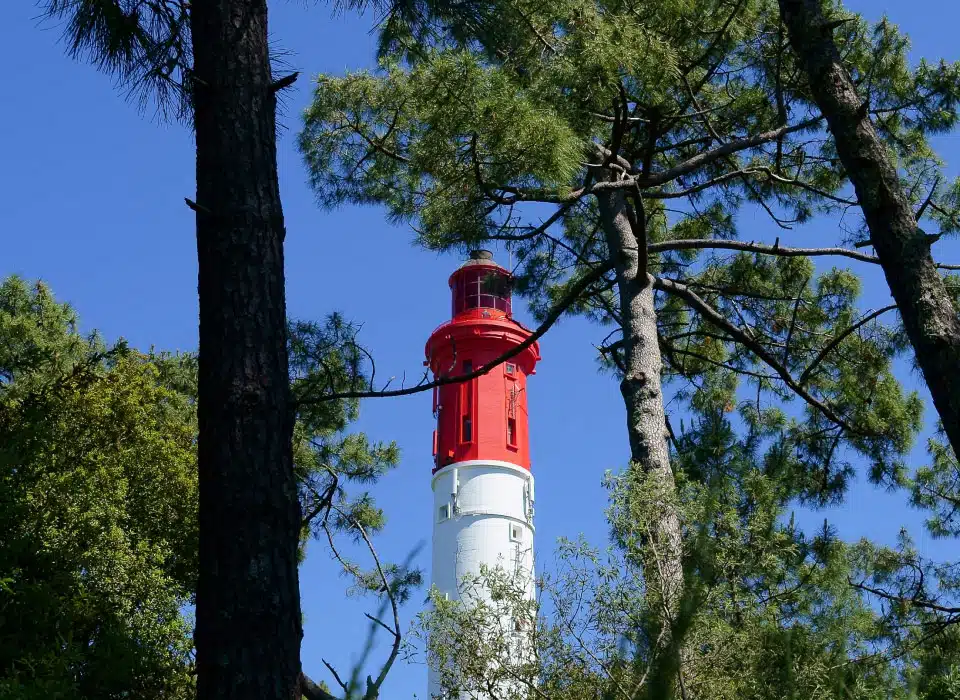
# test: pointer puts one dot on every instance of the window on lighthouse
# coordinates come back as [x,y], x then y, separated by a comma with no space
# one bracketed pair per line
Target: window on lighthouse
[512,395]
[466,405]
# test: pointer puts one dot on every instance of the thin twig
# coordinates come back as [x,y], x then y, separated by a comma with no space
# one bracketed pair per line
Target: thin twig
[312,691]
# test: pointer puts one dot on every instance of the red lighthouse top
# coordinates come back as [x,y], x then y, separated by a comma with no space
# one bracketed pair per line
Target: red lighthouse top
[484,417]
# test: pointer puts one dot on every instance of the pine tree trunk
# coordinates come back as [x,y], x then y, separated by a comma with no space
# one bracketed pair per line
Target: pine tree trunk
[248,600]
[643,398]
[903,249]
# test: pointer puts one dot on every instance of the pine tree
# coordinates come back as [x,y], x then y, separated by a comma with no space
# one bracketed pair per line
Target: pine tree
[208,62]
[610,146]
[903,248]
[248,493]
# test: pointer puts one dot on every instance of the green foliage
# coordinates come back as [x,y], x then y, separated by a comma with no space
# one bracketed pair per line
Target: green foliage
[936,673]
[936,488]
[98,498]
[426,127]
[769,611]
[325,360]
[484,122]
[805,320]
[491,81]
[98,501]
[144,44]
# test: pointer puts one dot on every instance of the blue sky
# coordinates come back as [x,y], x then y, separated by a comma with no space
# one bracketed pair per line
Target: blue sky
[92,198]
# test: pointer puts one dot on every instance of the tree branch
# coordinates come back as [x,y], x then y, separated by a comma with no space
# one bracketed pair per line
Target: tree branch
[927,201]
[558,309]
[373,687]
[839,339]
[284,82]
[321,502]
[647,180]
[925,604]
[726,149]
[776,249]
[742,337]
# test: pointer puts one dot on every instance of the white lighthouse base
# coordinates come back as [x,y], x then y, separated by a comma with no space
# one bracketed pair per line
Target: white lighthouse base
[483,515]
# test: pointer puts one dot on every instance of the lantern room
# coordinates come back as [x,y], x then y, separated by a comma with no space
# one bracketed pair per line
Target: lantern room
[480,283]
[483,418]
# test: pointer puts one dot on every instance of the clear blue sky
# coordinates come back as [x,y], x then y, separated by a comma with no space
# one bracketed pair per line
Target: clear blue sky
[92,202]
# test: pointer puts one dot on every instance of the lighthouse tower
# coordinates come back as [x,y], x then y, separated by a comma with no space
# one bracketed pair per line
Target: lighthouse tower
[482,486]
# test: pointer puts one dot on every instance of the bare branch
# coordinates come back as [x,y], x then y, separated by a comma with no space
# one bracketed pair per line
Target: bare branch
[377,621]
[373,687]
[336,676]
[322,501]
[793,322]
[707,184]
[916,602]
[802,185]
[284,82]
[672,350]
[751,247]
[776,249]
[928,200]
[542,228]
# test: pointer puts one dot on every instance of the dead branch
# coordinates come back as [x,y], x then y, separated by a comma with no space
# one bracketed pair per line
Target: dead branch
[927,201]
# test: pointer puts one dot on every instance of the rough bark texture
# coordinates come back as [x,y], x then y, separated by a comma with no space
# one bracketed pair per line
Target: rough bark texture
[643,398]
[903,249]
[248,600]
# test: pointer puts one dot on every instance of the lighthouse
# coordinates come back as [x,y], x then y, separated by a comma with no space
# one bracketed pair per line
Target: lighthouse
[483,493]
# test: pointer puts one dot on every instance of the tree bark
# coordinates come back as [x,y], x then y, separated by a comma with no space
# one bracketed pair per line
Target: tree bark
[903,249]
[248,600]
[643,398]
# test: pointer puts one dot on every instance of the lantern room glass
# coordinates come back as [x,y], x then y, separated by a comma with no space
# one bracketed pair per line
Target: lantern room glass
[484,288]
